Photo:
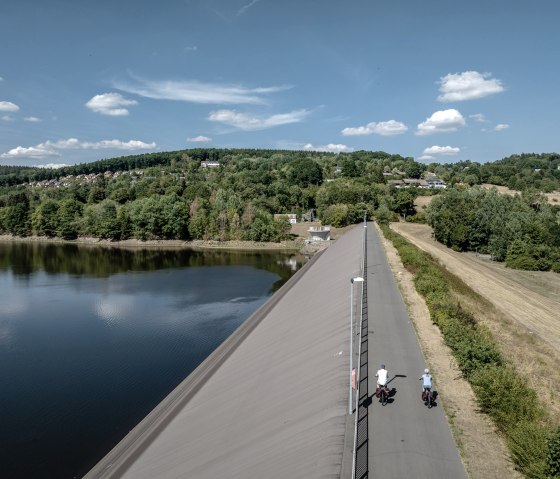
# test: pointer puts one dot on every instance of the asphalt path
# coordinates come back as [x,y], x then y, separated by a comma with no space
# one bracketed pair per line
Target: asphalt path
[406,439]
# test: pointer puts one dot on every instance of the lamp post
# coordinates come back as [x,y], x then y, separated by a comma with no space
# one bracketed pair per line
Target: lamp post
[357,279]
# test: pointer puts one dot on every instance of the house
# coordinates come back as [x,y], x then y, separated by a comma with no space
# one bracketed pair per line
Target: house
[292,218]
[435,183]
[209,164]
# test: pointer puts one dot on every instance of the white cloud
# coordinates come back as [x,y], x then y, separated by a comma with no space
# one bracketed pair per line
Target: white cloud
[331,147]
[501,126]
[192,48]
[39,151]
[8,106]
[198,92]
[53,166]
[245,121]
[441,150]
[426,158]
[6,118]
[199,139]
[384,128]
[246,7]
[468,85]
[32,119]
[50,148]
[480,117]
[440,122]
[110,104]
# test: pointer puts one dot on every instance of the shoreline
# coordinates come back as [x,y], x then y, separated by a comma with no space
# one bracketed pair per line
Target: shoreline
[296,245]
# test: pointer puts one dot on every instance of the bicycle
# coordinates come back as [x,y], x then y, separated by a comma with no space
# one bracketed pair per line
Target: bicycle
[383,395]
[428,397]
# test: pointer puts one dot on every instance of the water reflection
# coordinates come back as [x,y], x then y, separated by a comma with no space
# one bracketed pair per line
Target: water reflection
[92,338]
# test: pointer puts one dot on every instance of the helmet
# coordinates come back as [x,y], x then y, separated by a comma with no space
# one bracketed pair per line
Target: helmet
[382,366]
[426,371]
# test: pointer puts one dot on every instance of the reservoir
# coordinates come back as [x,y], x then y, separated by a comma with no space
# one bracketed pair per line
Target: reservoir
[93,338]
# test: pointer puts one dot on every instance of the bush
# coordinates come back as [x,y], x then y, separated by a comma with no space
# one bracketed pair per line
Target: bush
[527,263]
[528,444]
[553,454]
[505,396]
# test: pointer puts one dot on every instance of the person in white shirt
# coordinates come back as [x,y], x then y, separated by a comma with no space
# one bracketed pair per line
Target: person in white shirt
[426,382]
[382,377]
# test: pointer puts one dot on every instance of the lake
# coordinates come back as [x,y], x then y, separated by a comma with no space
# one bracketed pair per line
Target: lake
[93,338]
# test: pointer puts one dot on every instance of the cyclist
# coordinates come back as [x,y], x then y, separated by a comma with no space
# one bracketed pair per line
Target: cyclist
[426,383]
[382,377]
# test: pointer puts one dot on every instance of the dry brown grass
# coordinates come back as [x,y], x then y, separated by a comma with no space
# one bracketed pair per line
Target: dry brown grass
[521,310]
[553,198]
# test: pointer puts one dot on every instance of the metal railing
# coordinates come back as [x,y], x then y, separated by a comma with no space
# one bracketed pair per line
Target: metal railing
[360,451]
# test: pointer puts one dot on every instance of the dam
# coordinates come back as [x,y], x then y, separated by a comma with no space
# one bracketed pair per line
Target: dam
[273,400]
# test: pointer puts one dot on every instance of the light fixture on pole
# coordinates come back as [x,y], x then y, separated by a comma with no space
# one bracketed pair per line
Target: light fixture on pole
[357,279]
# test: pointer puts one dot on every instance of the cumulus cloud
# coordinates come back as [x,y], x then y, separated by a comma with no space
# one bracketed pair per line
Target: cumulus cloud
[198,92]
[200,139]
[248,122]
[32,119]
[111,104]
[468,85]
[426,158]
[441,122]
[51,149]
[8,106]
[501,126]
[384,128]
[331,148]
[441,150]
[53,166]
[39,151]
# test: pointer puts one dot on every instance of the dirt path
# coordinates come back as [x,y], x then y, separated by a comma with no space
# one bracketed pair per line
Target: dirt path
[483,451]
[532,300]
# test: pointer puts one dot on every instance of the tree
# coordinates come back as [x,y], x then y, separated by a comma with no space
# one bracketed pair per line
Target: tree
[68,217]
[305,172]
[45,218]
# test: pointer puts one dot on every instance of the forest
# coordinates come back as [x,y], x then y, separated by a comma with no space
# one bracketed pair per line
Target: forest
[171,195]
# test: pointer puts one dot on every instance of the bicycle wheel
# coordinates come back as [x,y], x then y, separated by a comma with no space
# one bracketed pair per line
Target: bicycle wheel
[383,397]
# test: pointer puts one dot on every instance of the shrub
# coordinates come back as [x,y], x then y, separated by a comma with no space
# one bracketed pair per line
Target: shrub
[553,454]
[522,262]
[505,396]
[528,444]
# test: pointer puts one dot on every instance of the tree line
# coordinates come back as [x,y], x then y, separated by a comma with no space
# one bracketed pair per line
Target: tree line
[522,230]
[175,198]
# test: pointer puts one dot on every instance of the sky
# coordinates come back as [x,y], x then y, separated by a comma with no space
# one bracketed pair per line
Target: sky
[438,80]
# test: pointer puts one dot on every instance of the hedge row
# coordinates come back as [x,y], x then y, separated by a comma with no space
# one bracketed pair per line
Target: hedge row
[501,392]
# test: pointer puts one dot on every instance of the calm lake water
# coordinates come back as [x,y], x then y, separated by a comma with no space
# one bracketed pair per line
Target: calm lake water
[92,338]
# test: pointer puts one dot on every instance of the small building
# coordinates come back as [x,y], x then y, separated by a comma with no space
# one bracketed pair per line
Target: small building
[436,183]
[292,217]
[320,233]
[209,164]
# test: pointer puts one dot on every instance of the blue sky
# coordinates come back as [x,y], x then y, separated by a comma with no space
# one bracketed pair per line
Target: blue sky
[439,80]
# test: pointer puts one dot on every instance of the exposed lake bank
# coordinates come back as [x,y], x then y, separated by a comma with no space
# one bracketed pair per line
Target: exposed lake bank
[296,244]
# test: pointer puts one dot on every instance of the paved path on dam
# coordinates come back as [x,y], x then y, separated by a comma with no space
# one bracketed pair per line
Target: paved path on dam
[272,401]
[406,439]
